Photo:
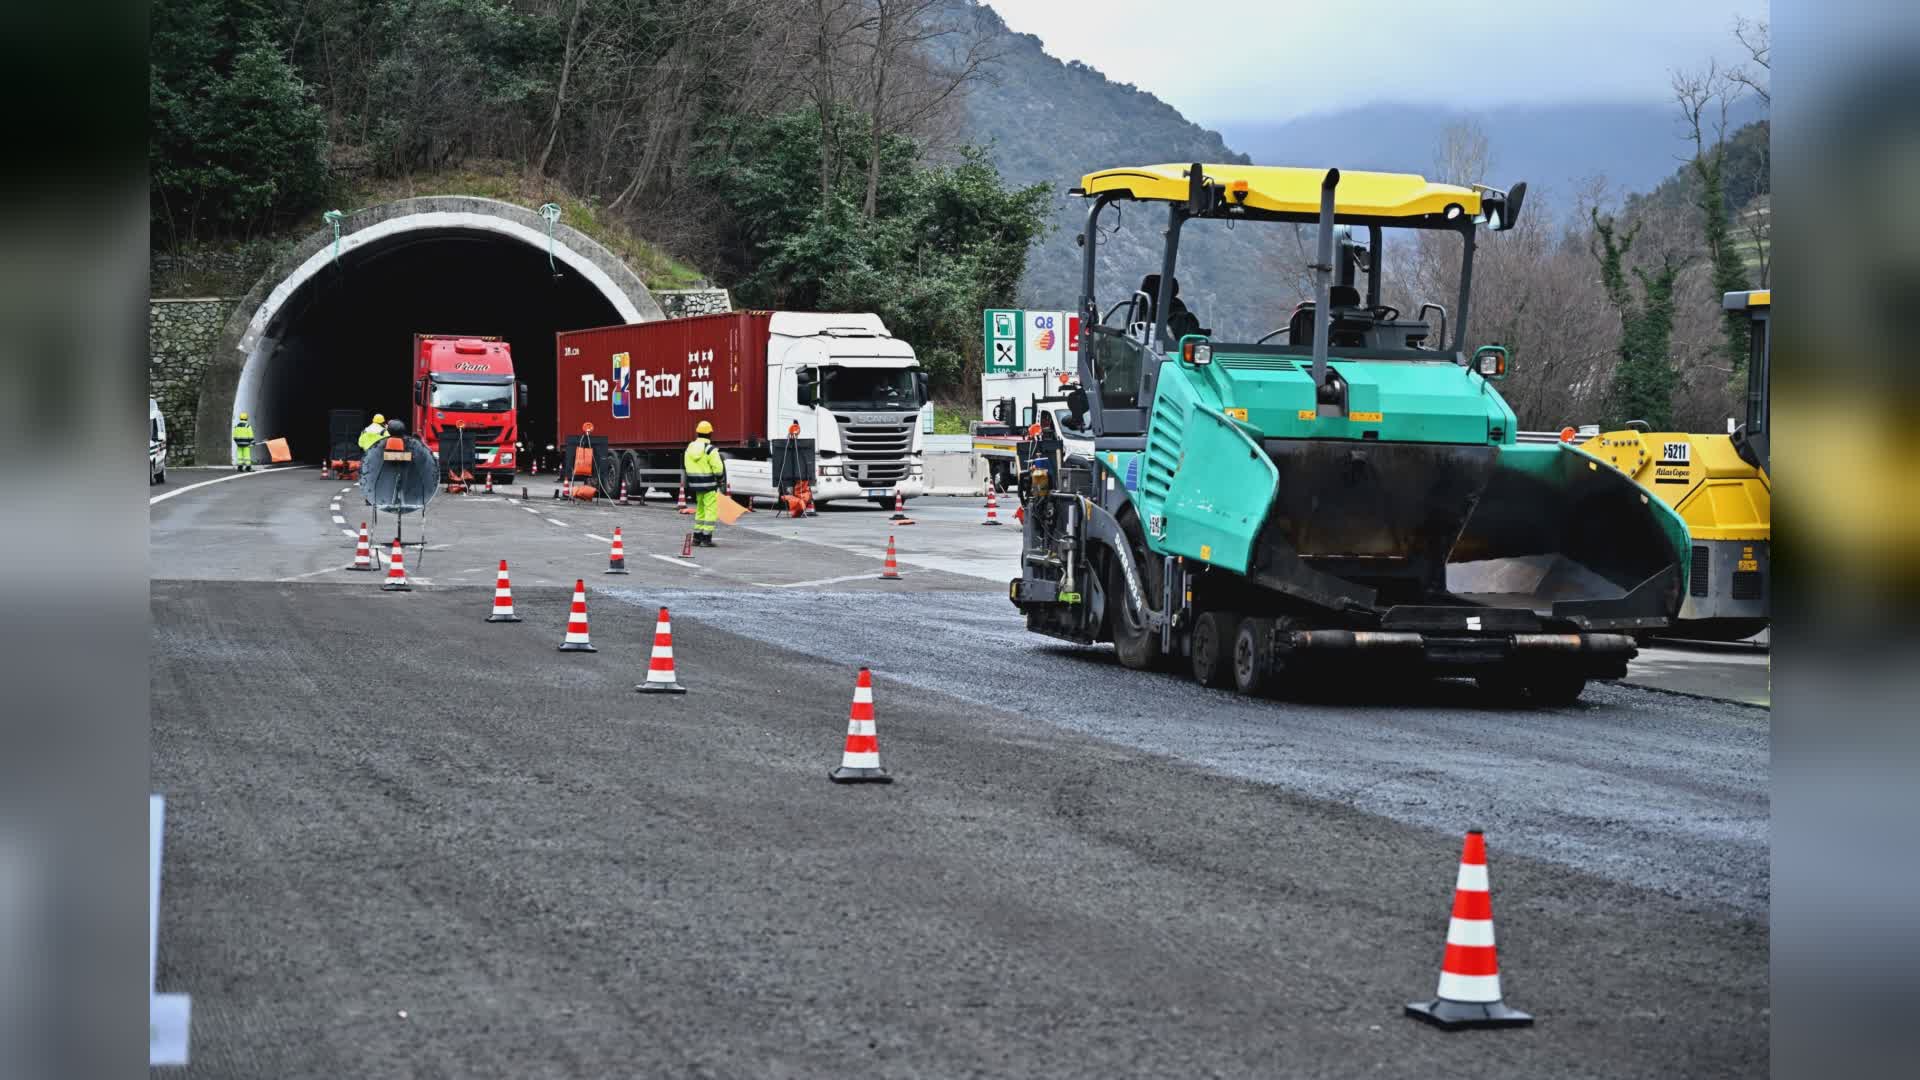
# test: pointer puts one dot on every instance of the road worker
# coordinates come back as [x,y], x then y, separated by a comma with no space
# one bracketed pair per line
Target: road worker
[705,473]
[372,432]
[243,444]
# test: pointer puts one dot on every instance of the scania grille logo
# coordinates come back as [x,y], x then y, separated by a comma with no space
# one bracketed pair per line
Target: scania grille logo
[874,418]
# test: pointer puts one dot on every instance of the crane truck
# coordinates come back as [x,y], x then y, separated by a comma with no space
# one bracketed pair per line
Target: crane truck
[1344,495]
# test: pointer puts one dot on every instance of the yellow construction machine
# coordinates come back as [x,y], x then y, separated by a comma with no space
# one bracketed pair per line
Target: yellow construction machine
[1718,485]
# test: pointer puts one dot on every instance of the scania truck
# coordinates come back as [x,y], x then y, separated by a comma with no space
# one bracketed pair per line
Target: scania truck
[833,399]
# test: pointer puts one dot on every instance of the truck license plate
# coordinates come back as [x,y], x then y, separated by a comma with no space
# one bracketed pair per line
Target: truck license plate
[877,493]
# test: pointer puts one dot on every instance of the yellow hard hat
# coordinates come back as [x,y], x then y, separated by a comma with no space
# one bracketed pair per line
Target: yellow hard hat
[378,419]
[703,428]
[243,416]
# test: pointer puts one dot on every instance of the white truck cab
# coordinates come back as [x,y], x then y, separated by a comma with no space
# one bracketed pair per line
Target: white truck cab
[856,391]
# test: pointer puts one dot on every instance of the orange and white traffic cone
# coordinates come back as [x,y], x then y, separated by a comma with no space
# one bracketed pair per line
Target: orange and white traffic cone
[622,500]
[1469,994]
[660,676]
[502,598]
[899,505]
[617,554]
[576,640]
[362,551]
[680,500]
[993,508]
[860,762]
[396,572]
[891,571]
[489,484]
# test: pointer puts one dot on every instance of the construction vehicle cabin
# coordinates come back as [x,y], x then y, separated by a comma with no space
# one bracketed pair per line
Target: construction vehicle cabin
[1344,492]
[1719,485]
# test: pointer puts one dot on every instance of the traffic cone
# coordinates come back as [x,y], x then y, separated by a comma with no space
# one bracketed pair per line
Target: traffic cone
[993,508]
[502,598]
[396,572]
[891,571]
[860,762]
[577,622]
[362,551]
[489,490]
[899,505]
[1469,994]
[617,555]
[622,500]
[686,547]
[660,677]
[680,500]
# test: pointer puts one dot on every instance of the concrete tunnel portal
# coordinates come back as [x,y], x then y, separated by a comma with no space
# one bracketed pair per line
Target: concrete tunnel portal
[321,332]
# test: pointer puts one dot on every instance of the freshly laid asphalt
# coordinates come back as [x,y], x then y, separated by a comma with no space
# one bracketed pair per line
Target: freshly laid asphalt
[380,805]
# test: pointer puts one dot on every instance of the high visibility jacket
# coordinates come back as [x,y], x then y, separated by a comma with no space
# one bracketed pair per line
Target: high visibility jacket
[703,464]
[370,435]
[243,433]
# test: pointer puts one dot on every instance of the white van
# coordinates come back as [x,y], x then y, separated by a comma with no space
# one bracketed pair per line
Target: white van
[156,444]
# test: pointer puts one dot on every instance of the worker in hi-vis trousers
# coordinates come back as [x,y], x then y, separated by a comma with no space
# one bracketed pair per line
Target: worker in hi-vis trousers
[705,473]
[243,444]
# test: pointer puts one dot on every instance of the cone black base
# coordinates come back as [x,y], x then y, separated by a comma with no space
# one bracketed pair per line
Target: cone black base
[661,688]
[1460,1015]
[503,618]
[616,569]
[844,775]
[368,568]
[390,587]
[577,646]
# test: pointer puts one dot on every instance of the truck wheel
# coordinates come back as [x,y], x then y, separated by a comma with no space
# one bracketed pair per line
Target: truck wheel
[1212,647]
[1252,665]
[1137,646]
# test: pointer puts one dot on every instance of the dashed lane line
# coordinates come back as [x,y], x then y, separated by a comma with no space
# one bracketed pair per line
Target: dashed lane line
[676,561]
[819,581]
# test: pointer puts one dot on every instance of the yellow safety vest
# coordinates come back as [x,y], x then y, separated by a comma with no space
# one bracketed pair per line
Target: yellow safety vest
[243,433]
[703,465]
[370,435]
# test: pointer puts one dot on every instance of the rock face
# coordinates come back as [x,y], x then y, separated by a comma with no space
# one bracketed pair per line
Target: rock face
[679,303]
[181,335]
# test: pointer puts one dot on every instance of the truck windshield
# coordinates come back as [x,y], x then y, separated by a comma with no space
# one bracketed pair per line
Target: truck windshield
[473,397]
[868,388]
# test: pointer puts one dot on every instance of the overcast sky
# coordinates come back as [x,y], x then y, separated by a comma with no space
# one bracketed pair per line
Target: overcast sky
[1223,63]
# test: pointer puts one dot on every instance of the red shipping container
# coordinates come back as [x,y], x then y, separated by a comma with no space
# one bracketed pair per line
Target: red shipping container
[646,385]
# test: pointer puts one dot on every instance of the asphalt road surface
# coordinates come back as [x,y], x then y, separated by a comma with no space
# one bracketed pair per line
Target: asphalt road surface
[405,842]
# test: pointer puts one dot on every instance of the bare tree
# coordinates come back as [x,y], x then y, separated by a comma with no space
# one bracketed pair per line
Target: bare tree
[908,82]
[1463,155]
[1756,37]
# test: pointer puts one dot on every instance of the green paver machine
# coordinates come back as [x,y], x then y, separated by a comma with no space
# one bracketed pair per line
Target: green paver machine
[1344,494]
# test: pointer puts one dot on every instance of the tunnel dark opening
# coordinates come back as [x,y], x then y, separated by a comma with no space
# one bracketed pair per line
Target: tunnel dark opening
[345,339]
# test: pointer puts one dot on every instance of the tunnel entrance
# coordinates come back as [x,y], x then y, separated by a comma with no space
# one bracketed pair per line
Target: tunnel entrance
[345,339]
[331,327]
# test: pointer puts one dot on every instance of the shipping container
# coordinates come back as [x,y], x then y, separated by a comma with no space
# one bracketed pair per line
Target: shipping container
[645,386]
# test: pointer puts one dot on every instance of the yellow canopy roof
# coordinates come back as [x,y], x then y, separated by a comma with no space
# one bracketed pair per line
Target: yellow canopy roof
[1284,190]
[1753,298]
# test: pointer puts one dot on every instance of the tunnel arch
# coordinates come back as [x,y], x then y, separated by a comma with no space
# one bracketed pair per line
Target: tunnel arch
[329,325]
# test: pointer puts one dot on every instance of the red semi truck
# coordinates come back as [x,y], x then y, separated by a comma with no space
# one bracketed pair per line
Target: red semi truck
[854,391]
[468,380]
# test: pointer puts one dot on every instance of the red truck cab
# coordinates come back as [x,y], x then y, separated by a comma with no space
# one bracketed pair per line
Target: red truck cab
[467,382]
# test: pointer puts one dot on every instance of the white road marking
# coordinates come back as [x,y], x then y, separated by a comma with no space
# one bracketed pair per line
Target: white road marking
[821,581]
[602,539]
[562,524]
[165,495]
[312,573]
[338,520]
[530,510]
[677,561]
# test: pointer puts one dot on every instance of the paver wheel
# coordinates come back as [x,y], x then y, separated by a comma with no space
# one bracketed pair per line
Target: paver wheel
[1252,663]
[1212,647]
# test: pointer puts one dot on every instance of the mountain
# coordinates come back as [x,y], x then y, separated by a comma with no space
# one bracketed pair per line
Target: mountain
[1552,147]
[1051,121]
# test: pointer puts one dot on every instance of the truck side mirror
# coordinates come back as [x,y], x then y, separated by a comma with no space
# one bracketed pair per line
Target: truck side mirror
[807,383]
[920,384]
[419,391]
[1000,411]
[523,395]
